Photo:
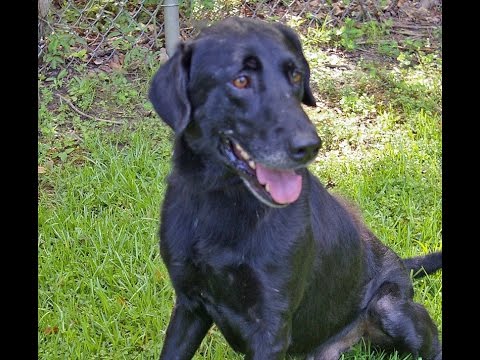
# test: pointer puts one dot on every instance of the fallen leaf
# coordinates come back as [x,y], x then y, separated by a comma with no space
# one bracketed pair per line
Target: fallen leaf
[41,170]
[50,330]
[336,9]
[158,275]
[115,65]
[105,68]
[121,300]
[121,58]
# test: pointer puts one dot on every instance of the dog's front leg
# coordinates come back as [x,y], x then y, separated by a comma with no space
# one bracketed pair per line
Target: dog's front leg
[185,332]
[270,342]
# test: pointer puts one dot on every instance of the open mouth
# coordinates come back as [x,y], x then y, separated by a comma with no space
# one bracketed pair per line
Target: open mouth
[274,187]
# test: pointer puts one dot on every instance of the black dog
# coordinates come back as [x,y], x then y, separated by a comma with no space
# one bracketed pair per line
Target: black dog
[251,239]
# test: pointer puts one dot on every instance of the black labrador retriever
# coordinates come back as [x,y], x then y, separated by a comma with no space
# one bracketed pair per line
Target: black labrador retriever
[251,239]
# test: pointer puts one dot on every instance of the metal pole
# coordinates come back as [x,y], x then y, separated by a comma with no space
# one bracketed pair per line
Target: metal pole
[172,27]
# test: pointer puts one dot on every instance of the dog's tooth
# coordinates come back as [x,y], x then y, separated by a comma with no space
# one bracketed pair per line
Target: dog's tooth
[245,155]
[267,188]
[238,147]
[251,163]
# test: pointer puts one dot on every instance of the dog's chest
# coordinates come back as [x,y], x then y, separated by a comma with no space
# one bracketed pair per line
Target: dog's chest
[225,253]
[209,248]
[235,287]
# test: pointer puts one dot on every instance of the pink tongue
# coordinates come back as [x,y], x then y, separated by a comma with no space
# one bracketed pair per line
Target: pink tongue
[284,185]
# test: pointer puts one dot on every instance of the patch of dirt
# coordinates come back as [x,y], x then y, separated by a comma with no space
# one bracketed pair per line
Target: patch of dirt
[411,19]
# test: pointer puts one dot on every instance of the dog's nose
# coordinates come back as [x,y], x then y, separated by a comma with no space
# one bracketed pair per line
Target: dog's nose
[304,146]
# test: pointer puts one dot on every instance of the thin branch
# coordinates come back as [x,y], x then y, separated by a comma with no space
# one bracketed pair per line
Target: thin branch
[86,115]
[338,66]
[425,49]
[409,33]
[416,26]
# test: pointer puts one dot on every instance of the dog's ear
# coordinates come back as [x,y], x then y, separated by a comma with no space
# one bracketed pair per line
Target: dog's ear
[294,41]
[168,89]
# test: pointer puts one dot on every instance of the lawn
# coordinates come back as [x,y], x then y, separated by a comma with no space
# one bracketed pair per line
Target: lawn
[103,290]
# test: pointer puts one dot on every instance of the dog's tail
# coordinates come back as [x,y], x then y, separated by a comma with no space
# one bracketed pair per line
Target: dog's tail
[423,265]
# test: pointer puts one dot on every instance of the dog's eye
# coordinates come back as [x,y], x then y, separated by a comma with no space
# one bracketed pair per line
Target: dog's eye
[241,82]
[296,77]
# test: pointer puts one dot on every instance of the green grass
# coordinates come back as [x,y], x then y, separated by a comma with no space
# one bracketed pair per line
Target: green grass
[103,290]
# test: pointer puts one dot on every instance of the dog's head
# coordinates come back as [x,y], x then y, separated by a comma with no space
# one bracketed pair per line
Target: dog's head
[234,95]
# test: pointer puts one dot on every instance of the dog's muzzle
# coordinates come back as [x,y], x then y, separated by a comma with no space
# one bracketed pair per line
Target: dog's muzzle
[274,187]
